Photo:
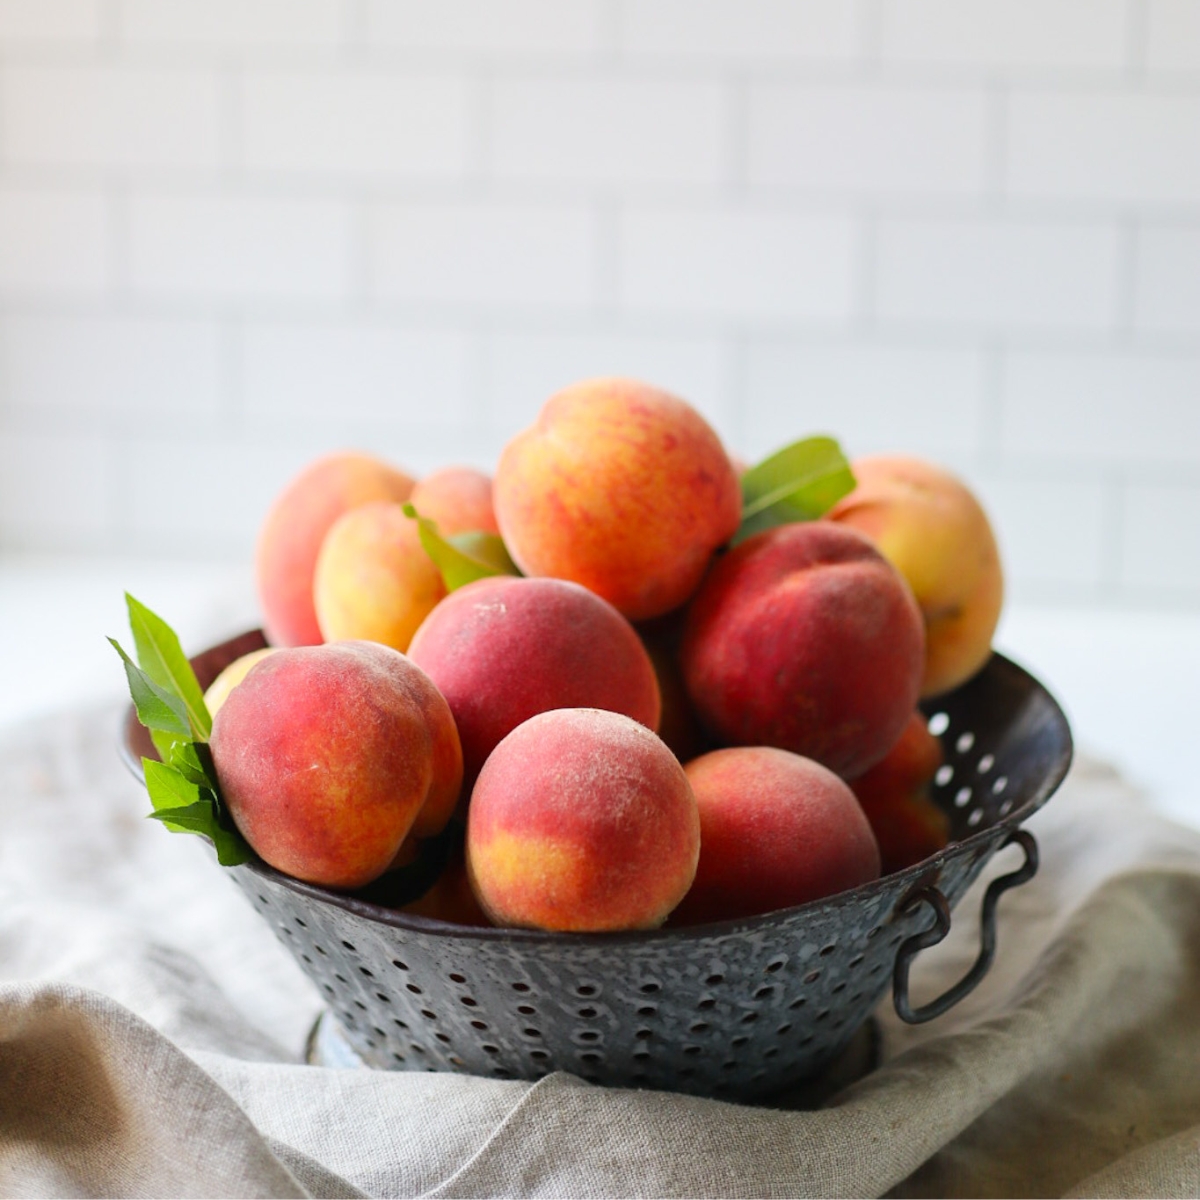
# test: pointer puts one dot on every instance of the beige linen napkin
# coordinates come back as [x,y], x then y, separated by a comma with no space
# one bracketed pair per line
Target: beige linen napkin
[151,1033]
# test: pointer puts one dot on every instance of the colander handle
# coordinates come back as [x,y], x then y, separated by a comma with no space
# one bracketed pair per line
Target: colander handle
[912,946]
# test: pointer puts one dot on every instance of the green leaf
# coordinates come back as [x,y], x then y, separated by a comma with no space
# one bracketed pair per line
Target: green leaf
[169,745]
[194,818]
[183,807]
[463,558]
[169,789]
[162,658]
[203,753]
[486,548]
[183,756]
[167,696]
[232,849]
[801,482]
[157,708]
[197,818]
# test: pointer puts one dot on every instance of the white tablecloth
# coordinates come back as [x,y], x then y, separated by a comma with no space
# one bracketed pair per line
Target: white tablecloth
[152,1032]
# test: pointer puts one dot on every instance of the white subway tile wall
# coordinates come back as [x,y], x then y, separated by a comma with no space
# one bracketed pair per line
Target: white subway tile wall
[1166,289]
[996,273]
[57,21]
[1173,36]
[237,233]
[55,242]
[1011,34]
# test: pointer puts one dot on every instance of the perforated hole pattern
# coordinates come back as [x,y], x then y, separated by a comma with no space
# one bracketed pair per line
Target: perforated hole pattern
[738,1010]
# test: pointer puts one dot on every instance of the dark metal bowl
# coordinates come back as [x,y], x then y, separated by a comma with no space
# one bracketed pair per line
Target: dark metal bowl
[743,1008]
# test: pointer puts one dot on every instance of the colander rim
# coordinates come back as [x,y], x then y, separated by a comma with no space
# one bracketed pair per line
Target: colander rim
[926,868]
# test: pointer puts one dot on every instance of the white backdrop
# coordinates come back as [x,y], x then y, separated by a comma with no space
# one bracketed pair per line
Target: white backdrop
[237,233]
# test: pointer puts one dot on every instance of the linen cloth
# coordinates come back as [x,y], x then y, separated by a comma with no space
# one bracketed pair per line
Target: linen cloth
[152,1034]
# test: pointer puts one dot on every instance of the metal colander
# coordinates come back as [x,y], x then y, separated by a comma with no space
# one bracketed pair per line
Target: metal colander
[740,1009]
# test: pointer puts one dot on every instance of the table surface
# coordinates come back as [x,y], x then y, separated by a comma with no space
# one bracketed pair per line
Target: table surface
[1126,678]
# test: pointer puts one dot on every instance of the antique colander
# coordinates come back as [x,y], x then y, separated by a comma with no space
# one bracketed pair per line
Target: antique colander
[740,1009]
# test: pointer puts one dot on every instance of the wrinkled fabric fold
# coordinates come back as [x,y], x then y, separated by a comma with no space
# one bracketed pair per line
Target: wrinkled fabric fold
[93,1101]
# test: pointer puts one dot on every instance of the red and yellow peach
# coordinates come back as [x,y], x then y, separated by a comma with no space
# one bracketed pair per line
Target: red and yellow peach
[803,637]
[581,820]
[776,830]
[504,649]
[457,500]
[329,757]
[894,794]
[622,488]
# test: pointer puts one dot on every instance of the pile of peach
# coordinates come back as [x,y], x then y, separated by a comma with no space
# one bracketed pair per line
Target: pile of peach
[645,723]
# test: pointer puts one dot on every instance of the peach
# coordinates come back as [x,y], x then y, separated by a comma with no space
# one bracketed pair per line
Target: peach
[622,488]
[294,528]
[218,691]
[503,649]
[934,531]
[458,500]
[894,794]
[804,637]
[373,580]
[329,756]
[581,820]
[776,830]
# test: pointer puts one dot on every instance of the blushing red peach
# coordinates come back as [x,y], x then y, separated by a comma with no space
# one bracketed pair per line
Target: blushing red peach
[457,499]
[503,649]
[373,580]
[294,528]
[934,531]
[582,820]
[776,830]
[895,795]
[622,488]
[328,757]
[805,638]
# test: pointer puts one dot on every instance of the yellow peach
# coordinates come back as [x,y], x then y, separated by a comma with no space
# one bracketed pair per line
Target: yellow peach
[934,531]
[373,580]
[218,691]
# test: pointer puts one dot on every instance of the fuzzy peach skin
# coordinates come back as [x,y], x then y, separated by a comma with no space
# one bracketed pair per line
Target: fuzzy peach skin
[776,830]
[373,578]
[294,528]
[581,820]
[503,649]
[458,499]
[329,756]
[622,488]
[218,691]
[934,531]
[894,794]
[804,637]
